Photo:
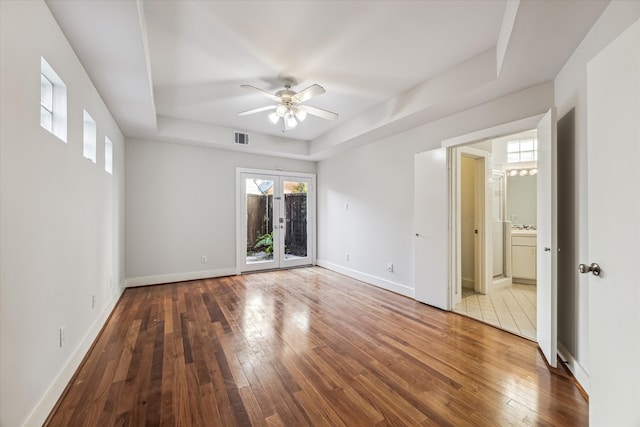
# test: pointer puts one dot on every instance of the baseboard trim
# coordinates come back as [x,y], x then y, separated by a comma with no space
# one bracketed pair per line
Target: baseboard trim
[133,282]
[575,367]
[43,408]
[368,278]
[501,283]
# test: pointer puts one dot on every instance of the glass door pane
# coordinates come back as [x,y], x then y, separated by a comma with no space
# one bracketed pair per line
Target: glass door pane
[261,247]
[296,239]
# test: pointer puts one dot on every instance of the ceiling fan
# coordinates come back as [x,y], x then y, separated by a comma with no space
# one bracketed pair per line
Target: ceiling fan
[289,106]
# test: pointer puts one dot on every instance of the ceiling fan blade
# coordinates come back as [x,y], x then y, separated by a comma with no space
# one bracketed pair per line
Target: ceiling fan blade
[321,113]
[308,93]
[262,92]
[257,110]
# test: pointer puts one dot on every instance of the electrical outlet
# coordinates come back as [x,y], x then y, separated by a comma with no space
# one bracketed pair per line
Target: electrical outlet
[61,335]
[203,259]
[346,206]
[110,282]
[346,256]
[93,301]
[390,267]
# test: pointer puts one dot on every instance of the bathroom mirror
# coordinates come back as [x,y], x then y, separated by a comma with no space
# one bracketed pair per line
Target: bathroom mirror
[521,200]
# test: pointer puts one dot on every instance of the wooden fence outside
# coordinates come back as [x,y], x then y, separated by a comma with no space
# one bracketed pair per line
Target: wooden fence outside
[260,221]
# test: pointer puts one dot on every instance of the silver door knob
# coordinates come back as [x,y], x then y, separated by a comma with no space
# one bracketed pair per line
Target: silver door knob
[593,268]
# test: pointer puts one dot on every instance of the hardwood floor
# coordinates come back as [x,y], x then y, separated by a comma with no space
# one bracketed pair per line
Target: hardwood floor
[307,347]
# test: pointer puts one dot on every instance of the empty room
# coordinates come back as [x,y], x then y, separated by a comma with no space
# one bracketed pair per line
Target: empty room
[319,213]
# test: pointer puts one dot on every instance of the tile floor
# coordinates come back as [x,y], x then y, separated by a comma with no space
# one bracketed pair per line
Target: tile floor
[512,309]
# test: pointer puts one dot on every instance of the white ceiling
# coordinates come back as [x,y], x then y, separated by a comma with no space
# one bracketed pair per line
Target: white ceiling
[172,70]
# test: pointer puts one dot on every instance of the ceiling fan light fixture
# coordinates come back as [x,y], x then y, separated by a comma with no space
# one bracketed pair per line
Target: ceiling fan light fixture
[301,114]
[287,105]
[274,117]
[290,120]
[281,110]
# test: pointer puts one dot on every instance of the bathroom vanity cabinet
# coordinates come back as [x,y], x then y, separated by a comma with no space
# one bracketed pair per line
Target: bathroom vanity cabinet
[523,254]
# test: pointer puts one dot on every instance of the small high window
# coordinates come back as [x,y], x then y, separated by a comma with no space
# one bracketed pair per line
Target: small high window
[46,103]
[108,155]
[522,150]
[53,101]
[89,146]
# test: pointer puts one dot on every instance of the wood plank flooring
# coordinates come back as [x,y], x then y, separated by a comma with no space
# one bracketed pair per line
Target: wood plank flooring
[307,347]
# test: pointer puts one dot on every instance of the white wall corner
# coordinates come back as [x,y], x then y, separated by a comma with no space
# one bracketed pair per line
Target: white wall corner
[388,285]
[506,29]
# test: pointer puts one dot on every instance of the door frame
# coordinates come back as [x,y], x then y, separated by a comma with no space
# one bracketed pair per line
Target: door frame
[454,145]
[482,220]
[278,174]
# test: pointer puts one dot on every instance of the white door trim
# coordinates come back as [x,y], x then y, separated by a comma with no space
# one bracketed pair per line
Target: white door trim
[454,144]
[483,221]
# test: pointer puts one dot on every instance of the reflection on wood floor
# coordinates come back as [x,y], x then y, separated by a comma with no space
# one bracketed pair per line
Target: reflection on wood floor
[307,347]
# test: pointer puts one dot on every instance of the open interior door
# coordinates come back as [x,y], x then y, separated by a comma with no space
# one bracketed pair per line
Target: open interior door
[613,132]
[431,225]
[547,245]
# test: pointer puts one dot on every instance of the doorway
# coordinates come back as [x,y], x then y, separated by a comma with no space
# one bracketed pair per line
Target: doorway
[436,210]
[504,243]
[276,217]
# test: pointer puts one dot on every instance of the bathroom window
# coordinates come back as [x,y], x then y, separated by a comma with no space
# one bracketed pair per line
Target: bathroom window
[53,101]
[522,150]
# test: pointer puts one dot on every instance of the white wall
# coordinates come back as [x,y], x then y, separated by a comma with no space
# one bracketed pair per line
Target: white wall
[61,219]
[376,181]
[570,94]
[180,205]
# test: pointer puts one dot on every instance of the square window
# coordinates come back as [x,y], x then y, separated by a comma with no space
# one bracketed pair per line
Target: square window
[46,119]
[524,150]
[46,92]
[526,145]
[526,156]
[53,101]
[108,155]
[89,145]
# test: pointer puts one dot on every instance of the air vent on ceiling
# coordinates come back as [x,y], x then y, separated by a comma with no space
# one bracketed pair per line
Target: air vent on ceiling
[242,138]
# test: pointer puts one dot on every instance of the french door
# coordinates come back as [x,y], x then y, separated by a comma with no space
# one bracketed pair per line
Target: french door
[276,216]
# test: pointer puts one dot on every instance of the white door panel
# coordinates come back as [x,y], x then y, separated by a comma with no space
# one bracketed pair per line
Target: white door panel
[431,219]
[547,246]
[613,131]
[296,204]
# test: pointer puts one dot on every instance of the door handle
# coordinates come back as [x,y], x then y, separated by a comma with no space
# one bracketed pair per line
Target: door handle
[593,268]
